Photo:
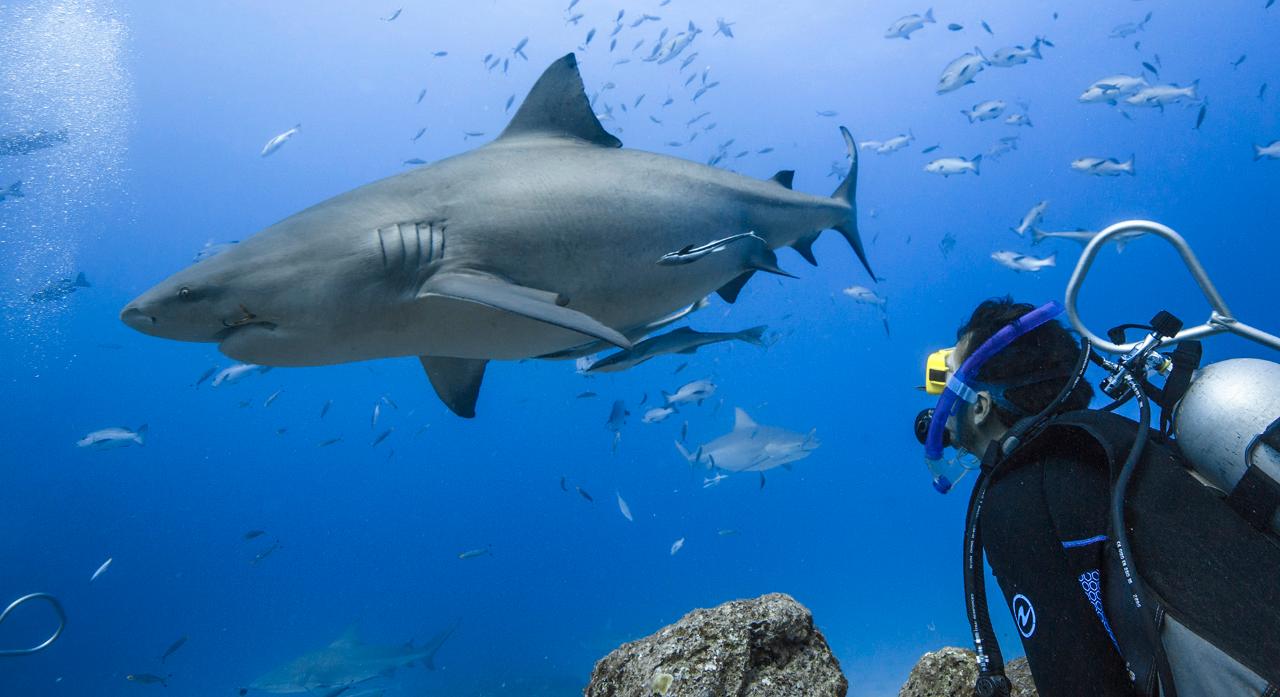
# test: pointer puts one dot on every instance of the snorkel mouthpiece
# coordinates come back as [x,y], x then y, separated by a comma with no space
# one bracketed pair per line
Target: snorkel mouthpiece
[959,389]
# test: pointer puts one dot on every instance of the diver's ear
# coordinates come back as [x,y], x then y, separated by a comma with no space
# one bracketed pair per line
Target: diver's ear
[983,409]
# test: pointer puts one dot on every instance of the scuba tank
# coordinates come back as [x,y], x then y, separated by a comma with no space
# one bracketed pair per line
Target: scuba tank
[1227,427]
[1226,416]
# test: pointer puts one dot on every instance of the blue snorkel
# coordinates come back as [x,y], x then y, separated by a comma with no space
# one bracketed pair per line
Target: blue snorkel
[960,389]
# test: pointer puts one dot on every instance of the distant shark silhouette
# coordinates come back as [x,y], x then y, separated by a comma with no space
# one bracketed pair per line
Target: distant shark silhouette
[347,662]
[543,241]
[750,447]
[27,143]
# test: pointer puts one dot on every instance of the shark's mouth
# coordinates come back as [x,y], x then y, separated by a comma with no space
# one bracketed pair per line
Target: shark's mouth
[241,326]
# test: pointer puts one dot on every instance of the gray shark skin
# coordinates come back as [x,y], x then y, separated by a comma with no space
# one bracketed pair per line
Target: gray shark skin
[750,447]
[348,661]
[533,244]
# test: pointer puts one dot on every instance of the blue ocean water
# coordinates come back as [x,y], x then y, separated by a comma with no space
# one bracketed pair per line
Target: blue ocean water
[166,107]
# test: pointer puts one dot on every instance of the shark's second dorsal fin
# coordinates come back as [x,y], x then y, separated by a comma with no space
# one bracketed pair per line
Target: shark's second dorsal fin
[741,420]
[557,107]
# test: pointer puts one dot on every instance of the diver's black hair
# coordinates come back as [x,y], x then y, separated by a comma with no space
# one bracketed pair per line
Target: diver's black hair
[1049,349]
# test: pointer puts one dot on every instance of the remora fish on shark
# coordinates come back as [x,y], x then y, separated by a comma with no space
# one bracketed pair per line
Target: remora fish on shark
[527,246]
[682,340]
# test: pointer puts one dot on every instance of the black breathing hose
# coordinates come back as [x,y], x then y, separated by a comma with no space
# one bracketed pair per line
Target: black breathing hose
[991,678]
[1137,591]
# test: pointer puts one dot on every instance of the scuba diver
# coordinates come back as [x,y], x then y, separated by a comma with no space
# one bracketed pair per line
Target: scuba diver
[1133,561]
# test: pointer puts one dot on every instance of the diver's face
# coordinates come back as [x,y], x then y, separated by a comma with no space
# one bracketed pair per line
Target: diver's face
[973,426]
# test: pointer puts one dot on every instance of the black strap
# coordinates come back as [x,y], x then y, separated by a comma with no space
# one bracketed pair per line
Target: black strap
[1186,359]
[1256,497]
[1271,436]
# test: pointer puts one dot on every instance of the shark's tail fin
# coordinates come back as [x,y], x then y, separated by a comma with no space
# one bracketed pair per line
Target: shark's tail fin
[1257,153]
[845,192]
[1035,47]
[1037,236]
[1129,166]
[141,436]
[977,160]
[433,646]
[928,15]
[753,336]
[14,190]
[81,281]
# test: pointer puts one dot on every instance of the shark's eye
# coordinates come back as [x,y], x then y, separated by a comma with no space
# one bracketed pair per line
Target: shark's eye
[184,293]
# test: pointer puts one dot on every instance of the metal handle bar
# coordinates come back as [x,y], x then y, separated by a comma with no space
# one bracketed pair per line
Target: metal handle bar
[1220,319]
[62,623]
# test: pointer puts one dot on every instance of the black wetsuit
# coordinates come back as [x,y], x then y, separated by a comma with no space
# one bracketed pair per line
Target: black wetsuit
[1044,529]
[1031,510]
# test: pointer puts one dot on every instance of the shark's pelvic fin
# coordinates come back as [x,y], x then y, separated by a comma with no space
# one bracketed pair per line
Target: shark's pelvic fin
[784,177]
[528,302]
[762,258]
[804,246]
[741,420]
[557,107]
[729,291]
[456,380]
[849,228]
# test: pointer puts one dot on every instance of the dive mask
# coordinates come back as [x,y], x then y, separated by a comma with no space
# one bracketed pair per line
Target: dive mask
[963,387]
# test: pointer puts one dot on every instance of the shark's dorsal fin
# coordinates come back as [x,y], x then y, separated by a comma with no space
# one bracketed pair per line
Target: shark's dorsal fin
[350,637]
[557,107]
[784,177]
[741,420]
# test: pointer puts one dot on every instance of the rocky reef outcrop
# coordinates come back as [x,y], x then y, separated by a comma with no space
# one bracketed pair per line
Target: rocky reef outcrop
[764,647]
[951,672]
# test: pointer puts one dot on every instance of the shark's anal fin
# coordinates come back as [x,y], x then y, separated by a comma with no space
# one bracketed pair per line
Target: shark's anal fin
[456,381]
[557,106]
[729,291]
[528,302]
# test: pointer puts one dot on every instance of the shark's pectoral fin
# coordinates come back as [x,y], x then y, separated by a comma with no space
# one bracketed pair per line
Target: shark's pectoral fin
[528,302]
[456,381]
[729,291]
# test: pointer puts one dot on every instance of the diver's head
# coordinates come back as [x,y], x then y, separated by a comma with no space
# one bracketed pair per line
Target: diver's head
[1019,380]
[1009,362]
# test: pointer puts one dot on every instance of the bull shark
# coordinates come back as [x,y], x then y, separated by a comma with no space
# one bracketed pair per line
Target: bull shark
[348,662]
[750,447]
[528,246]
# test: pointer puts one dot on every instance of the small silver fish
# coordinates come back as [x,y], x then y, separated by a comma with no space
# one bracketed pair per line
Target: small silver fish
[1023,262]
[101,569]
[276,142]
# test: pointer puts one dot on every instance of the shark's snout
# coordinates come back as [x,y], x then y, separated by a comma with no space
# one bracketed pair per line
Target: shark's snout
[137,319]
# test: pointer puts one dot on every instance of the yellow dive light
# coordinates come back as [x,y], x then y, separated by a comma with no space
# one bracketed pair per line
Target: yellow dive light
[936,371]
